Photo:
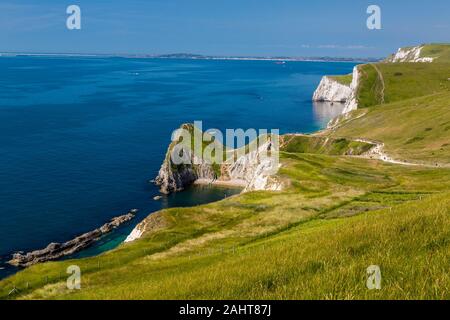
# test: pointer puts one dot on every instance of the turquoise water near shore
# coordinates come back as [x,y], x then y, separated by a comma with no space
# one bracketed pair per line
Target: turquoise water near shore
[81,137]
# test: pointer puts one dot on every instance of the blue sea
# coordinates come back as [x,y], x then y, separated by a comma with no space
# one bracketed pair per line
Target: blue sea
[80,138]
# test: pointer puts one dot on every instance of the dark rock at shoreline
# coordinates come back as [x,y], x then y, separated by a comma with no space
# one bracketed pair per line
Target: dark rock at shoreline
[176,177]
[57,250]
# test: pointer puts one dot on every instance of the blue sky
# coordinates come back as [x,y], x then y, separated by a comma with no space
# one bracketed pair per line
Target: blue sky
[222,27]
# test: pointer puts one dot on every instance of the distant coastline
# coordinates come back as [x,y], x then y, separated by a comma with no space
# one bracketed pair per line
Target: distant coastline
[193,57]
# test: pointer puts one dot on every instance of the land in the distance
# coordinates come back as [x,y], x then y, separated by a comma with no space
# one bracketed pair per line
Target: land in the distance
[192,56]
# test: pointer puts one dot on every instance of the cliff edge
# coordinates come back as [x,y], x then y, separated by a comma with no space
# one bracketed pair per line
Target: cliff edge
[332,90]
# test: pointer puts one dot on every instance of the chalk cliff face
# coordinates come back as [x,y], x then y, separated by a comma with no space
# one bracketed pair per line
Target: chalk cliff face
[174,178]
[331,90]
[254,170]
[152,222]
[409,55]
[352,102]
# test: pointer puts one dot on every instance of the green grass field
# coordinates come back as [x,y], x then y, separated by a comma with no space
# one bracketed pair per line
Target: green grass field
[345,79]
[440,52]
[401,81]
[321,145]
[318,259]
[338,215]
[415,129]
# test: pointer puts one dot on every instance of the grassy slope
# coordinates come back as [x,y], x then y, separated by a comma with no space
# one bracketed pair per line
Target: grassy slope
[318,259]
[416,129]
[313,240]
[324,259]
[321,145]
[441,52]
[345,79]
[402,81]
[369,90]
[391,82]
[194,242]
[414,121]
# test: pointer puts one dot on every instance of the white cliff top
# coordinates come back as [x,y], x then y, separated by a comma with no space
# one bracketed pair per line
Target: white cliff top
[410,55]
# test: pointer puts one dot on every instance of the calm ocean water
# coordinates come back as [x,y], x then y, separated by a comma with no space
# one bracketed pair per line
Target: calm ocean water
[81,137]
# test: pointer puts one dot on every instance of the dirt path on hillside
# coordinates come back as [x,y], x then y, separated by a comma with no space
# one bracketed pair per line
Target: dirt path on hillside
[377,152]
[383,86]
[338,122]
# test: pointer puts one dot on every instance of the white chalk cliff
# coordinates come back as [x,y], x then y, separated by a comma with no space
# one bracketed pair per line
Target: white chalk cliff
[256,169]
[152,222]
[331,90]
[352,102]
[409,55]
[135,234]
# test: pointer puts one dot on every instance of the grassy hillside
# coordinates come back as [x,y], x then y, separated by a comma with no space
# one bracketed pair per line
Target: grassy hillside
[339,214]
[192,242]
[406,106]
[321,145]
[371,87]
[345,79]
[415,129]
[440,52]
[319,259]
[392,82]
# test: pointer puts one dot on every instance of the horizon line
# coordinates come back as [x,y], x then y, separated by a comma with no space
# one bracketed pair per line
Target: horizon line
[196,56]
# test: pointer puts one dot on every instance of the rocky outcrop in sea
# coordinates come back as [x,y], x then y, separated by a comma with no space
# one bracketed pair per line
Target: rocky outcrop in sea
[58,250]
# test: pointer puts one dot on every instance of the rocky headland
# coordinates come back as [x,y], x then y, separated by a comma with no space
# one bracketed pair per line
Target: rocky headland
[254,169]
[58,250]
